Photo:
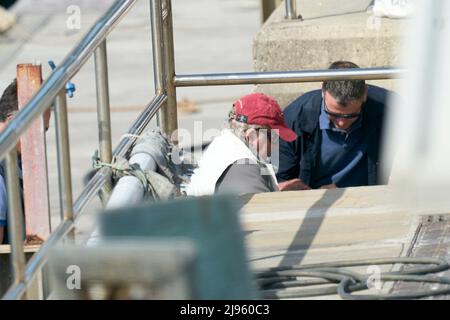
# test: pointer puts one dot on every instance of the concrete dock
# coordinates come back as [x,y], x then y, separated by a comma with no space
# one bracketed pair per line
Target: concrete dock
[328,31]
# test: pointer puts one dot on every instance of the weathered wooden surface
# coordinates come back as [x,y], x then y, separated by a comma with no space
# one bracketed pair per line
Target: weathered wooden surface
[303,227]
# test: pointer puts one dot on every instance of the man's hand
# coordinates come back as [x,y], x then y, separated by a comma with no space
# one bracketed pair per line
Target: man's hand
[294,184]
[329,186]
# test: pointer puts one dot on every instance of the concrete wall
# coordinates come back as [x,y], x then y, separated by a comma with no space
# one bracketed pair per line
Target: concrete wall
[330,31]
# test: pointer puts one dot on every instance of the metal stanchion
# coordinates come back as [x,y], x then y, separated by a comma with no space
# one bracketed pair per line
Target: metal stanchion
[158,50]
[104,117]
[291,9]
[169,113]
[103,112]
[63,151]
[16,228]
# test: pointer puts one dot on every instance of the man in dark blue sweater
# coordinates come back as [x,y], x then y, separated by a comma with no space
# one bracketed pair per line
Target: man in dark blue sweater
[339,132]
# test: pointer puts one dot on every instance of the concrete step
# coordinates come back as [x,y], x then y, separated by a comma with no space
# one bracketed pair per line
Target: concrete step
[327,33]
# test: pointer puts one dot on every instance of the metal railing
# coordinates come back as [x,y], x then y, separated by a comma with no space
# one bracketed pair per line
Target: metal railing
[93,43]
[163,105]
[291,9]
[285,77]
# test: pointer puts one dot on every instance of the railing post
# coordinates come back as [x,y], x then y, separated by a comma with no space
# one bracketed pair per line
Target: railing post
[104,117]
[169,117]
[158,49]
[63,151]
[291,9]
[16,228]
[103,111]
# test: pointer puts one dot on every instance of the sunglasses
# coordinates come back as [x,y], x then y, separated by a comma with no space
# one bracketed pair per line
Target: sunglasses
[340,115]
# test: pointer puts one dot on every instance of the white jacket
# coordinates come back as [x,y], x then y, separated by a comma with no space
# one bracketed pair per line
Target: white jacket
[223,151]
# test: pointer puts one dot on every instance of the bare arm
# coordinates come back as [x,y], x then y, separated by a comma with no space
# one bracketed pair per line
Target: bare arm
[294,184]
[329,186]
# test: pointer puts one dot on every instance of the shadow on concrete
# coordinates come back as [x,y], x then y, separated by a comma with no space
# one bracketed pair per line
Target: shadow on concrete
[244,199]
[332,15]
[309,228]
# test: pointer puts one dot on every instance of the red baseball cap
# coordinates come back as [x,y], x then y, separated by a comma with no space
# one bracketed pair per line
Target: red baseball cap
[260,109]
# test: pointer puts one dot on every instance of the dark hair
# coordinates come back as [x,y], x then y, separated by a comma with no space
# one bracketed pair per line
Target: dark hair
[346,90]
[8,101]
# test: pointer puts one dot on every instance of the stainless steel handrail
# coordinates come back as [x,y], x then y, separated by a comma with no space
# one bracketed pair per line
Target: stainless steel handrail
[291,9]
[103,112]
[15,221]
[63,151]
[169,116]
[43,99]
[220,79]
[52,89]
[93,187]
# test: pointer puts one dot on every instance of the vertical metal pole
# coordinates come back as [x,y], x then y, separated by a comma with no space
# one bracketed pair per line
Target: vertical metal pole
[169,115]
[63,150]
[158,49]
[16,228]
[103,112]
[291,9]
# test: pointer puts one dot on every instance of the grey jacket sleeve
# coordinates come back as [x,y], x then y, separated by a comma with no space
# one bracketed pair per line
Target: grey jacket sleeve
[241,178]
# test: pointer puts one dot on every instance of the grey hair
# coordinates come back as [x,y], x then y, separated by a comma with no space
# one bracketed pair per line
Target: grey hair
[239,128]
[346,90]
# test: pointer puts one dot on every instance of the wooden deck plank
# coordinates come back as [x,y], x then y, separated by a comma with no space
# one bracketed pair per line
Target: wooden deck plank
[305,227]
[321,224]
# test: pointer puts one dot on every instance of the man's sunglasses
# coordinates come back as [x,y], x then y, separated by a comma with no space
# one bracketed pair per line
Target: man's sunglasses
[340,115]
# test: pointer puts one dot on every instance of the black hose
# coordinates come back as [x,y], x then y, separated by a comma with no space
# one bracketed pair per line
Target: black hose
[331,278]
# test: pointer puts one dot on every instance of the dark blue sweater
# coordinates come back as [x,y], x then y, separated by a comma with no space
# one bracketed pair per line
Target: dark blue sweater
[300,158]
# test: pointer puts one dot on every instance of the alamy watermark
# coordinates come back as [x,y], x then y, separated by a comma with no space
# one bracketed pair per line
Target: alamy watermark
[73,21]
[73,281]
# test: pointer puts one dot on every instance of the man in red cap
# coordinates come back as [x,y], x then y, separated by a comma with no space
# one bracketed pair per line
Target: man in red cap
[238,160]
[339,136]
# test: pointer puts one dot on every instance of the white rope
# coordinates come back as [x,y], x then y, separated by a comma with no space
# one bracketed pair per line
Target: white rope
[130,135]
